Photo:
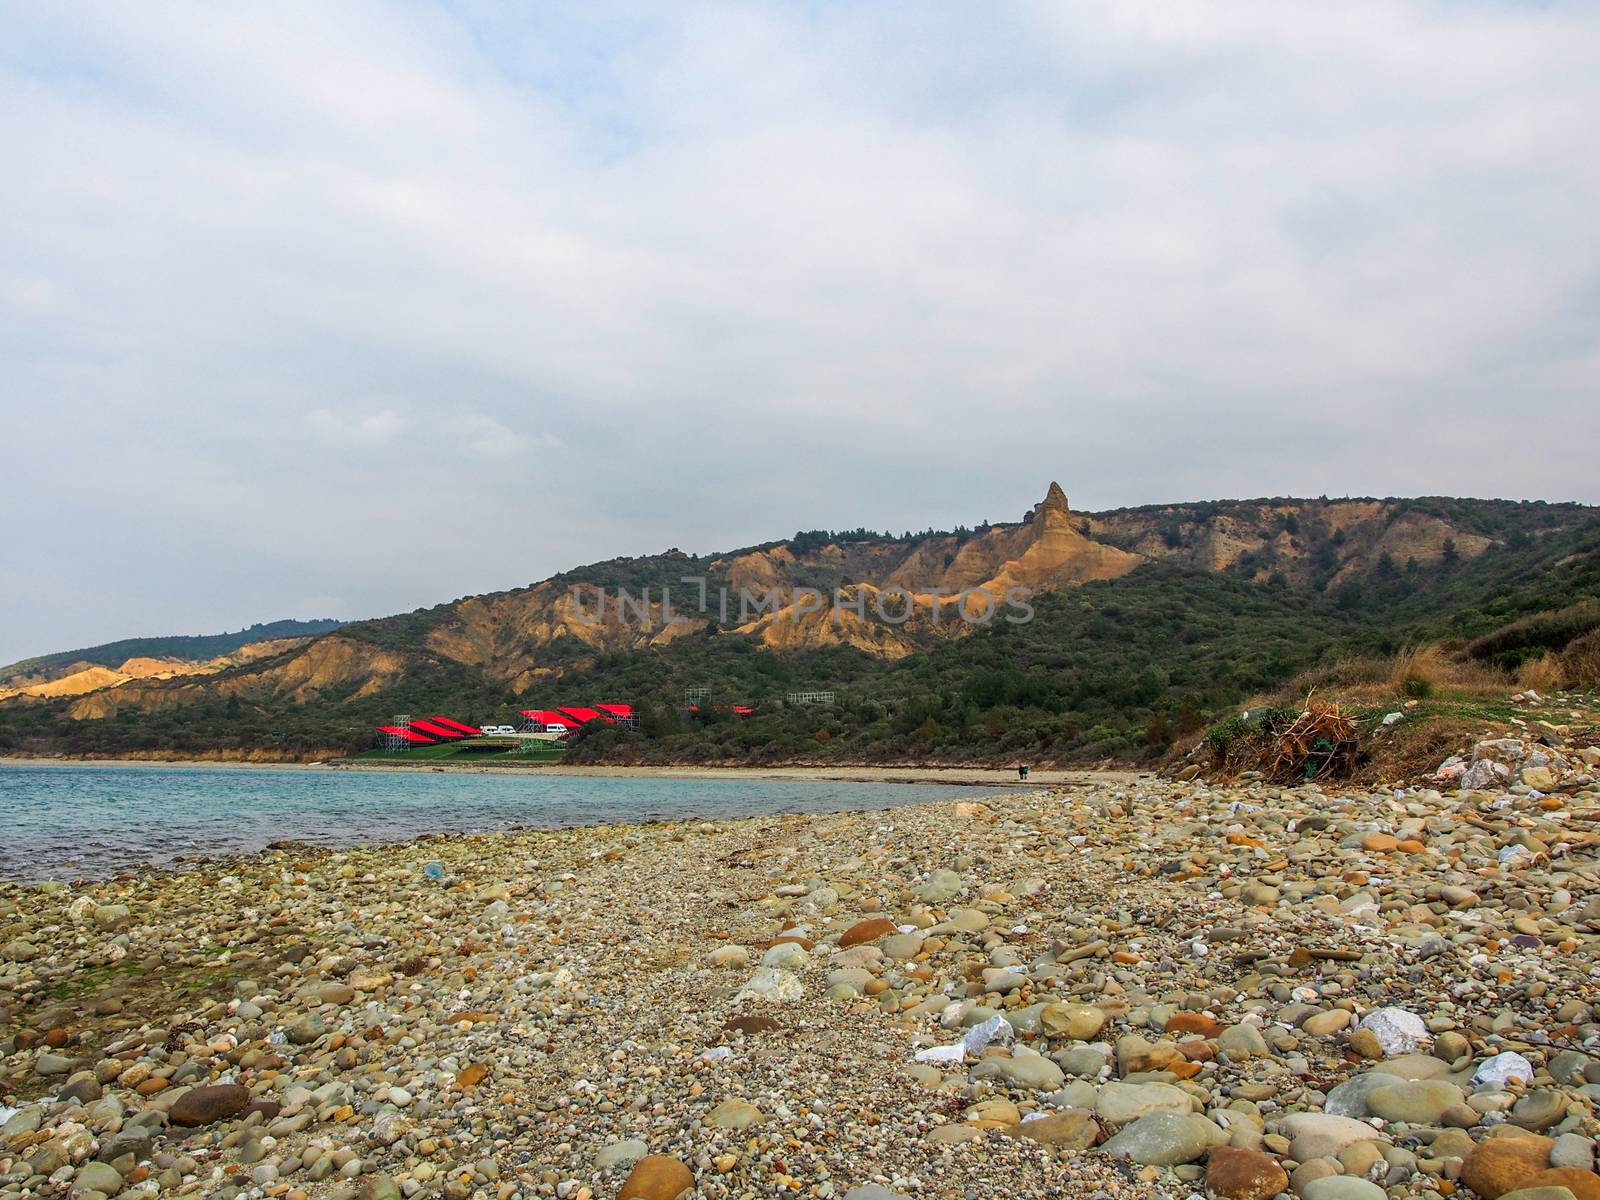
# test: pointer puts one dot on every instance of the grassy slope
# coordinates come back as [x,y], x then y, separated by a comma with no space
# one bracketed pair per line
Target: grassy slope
[190,647]
[1109,669]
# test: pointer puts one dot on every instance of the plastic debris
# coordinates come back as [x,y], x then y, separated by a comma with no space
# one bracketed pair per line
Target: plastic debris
[976,1040]
[953,1053]
[1398,1031]
[995,1029]
[433,870]
[1503,1068]
[1393,718]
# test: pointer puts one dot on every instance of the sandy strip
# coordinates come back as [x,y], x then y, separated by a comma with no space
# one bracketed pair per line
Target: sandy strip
[969,776]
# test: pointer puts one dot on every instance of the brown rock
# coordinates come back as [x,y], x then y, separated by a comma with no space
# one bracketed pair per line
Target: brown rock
[750,1026]
[1071,1129]
[657,1177]
[1503,1164]
[1365,1043]
[203,1105]
[56,1038]
[470,1076]
[1152,1056]
[1236,1174]
[1196,1023]
[1585,1185]
[869,930]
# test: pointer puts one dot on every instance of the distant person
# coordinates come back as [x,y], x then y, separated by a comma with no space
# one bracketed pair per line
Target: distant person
[1022,773]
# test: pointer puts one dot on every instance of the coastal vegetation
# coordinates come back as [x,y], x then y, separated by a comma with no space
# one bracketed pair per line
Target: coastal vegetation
[1212,607]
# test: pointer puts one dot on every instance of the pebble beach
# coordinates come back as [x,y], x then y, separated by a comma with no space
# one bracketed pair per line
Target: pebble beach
[1130,988]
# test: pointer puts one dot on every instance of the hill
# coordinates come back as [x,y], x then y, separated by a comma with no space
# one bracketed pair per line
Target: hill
[77,673]
[179,648]
[1062,635]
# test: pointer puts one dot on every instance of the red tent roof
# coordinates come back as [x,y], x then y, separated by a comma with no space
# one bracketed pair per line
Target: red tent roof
[584,715]
[438,731]
[409,735]
[744,710]
[464,730]
[549,716]
[616,710]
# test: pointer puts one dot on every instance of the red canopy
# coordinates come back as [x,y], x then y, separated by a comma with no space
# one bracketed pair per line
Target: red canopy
[549,716]
[463,730]
[409,735]
[621,711]
[584,715]
[438,731]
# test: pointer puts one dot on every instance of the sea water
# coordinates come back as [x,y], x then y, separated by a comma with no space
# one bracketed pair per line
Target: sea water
[87,821]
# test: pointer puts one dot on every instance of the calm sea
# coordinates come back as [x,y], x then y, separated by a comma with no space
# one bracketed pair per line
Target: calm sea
[90,821]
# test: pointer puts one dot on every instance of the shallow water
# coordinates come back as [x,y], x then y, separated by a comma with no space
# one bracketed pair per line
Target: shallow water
[91,821]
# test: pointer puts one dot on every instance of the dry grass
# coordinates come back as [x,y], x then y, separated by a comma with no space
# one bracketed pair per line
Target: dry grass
[1431,669]
[1542,674]
[1322,740]
[1580,661]
[1411,751]
[1416,672]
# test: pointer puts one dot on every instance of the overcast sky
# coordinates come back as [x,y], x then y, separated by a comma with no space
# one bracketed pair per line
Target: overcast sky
[345,309]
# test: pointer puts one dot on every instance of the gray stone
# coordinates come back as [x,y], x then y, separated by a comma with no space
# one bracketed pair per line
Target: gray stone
[24,1120]
[1350,1098]
[1567,1066]
[20,950]
[901,946]
[1082,1060]
[941,885]
[52,1064]
[379,1187]
[734,1114]
[1423,1102]
[97,1177]
[790,956]
[1165,1139]
[1121,1103]
[107,915]
[1573,1150]
[1030,1071]
[1341,1187]
[307,1029]
[854,978]
[1323,1135]
[621,1155]
[1539,1109]
[1239,1042]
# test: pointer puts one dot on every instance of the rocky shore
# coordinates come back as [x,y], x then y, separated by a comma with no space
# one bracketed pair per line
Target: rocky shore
[1133,989]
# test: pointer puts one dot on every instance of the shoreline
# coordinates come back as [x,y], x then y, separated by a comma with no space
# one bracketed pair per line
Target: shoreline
[1038,777]
[349,1022]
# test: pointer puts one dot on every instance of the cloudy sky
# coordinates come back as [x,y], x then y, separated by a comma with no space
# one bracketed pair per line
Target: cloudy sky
[345,309]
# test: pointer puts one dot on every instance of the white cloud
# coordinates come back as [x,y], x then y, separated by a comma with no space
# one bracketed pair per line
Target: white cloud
[700,276]
[383,425]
